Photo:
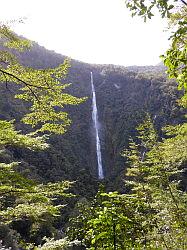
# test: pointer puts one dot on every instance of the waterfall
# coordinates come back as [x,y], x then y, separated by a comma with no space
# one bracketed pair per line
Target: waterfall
[96,126]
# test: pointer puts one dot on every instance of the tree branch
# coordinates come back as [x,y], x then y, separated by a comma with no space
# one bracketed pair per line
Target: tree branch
[6,82]
[25,83]
[20,80]
[184,2]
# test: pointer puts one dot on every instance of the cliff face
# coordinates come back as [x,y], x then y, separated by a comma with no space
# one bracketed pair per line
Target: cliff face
[124,95]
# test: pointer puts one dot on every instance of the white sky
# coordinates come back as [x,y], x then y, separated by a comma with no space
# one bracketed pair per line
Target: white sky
[93,31]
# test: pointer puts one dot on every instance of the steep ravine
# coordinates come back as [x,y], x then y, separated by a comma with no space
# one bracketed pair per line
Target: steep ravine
[123,97]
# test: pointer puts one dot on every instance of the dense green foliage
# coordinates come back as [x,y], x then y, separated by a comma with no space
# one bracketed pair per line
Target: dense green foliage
[175,58]
[149,209]
[153,215]
[42,88]
[71,156]
[22,199]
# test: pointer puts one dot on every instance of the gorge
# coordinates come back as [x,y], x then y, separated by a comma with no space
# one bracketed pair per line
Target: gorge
[72,155]
[122,96]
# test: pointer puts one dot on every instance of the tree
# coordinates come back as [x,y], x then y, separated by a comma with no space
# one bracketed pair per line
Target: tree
[175,58]
[167,157]
[21,198]
[153,214]
[154,179]
[109,221]
[41,87]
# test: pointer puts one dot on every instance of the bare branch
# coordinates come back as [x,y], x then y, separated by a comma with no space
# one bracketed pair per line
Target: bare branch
[25,83]
[184,2]
[28,85]
[20,80]
[6,82]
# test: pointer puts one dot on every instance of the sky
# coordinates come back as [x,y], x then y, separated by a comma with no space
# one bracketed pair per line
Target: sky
[92,31]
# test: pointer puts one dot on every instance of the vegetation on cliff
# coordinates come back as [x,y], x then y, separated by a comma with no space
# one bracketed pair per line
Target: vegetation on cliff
[142,201]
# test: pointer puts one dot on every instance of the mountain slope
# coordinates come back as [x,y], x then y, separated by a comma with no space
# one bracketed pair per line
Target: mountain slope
[123,95]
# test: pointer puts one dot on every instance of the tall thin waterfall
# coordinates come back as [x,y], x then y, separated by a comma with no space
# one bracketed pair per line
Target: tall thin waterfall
[96,126]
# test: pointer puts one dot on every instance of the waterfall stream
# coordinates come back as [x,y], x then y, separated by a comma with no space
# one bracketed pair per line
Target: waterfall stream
[96,126]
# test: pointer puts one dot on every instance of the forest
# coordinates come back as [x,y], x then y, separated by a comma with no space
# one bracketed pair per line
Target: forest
[50,193]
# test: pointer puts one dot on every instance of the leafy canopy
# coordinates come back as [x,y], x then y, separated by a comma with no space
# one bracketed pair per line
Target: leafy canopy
[175,58]
[153,214]
[22,198]
[43,88]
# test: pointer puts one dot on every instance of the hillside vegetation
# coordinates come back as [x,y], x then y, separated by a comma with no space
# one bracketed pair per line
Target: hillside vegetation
[50,193]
